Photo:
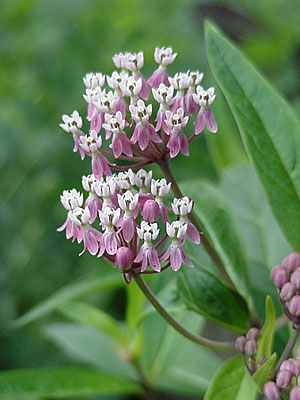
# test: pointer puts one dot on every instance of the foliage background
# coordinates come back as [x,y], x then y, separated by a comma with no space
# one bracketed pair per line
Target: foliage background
[45,48]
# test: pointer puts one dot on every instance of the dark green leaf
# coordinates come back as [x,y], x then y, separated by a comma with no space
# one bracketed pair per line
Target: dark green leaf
[61,383]
[82,287]
[232,382]
[269,128]
[202,292]
[218,225]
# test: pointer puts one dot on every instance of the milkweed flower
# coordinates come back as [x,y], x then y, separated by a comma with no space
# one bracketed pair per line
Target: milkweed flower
[73,124]
[205,117]
[176,122]
[162,56]
[148,254]
[182,207]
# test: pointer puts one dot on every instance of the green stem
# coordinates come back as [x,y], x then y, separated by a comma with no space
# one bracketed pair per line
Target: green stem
[164,165]
[288,349]
[212,344]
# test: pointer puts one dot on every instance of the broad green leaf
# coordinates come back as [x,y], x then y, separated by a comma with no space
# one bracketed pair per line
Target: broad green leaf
[88,345]
[220,229]
[64,382]
[268,126]
[202,292]
[232,382]
[84,286]
[262,375]
[91,316]
[265,341]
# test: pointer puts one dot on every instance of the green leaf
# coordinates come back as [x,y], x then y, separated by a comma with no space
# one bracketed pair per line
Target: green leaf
[91,346]
[61,383]
[218,225]
[265,341]
[262,375]
[202,292]
[269,129]
[84,286]
[232,382]
[91,316]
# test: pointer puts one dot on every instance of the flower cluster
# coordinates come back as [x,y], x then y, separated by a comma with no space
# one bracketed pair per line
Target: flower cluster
[121,119]
[286,278]
[247,345]
[287,381]
[128,207]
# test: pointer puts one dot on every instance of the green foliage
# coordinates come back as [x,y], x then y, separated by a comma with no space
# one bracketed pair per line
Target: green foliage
[269,128]
[232,382]
[217,223]
[263,374]
[265,341]
[64,382]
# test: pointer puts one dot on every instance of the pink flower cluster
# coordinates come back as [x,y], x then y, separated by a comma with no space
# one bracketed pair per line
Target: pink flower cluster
[287,381]
[128,208]
[247,345]
[120,118]
[286,278]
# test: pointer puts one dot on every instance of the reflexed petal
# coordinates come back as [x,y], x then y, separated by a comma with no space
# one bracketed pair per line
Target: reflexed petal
[153,259]
[184,144]
[210,121]
[128,229]
[175,257]
[143,137]
[200,122]
[193,233]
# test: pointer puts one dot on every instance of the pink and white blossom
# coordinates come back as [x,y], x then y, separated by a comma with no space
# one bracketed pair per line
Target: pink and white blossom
[93,202]
[159,189]
[129,204]
[195,78]
[115,124]
[73,124]
[148,254]
[205,117]
[110,240]
[92,80]
[179,82]
[162,56]
[176,122]
[163,95]
[131,88]
[182,207]
[70,199]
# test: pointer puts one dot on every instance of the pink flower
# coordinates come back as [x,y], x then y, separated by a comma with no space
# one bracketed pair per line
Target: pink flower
[159,189]
[70,199]
[175,253]
[163,95]
[178,141]
[180,82]
[93,80]
[195,78]
[129,204]
[93,202]
[134,63]
[148,254]
[116,79]
[163,57]
[110,240]
[115,124]
[144,130]
[205,116]
[91,145]
[73,124]
[182,207]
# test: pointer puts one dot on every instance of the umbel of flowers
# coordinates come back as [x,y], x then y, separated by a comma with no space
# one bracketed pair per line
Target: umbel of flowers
[125,217]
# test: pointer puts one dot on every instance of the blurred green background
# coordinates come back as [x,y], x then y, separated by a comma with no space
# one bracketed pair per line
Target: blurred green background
[46,47]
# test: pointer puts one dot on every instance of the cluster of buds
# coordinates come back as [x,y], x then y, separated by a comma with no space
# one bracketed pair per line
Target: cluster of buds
[121,119]
[129,207]
[247,345]
[287,384]
[286,278]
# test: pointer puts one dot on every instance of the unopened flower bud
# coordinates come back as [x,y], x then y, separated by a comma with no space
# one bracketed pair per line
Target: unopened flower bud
[150,211]
[284,378]
[294,306]
[240,344]
[124,258]
[271,391]
[288,291]
[250,347]
[280,276]
[252,334]
[295,393]
[287,364]
[295,279]
[295,367]
[292,261]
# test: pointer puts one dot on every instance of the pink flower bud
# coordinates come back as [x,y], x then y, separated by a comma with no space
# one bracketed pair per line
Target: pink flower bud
[271,391]
[124,258]
[295,393]
[295,279]
[284,378]
[292,261]
[250,347]
[280,276]
[252,334]
[287,364]
[150,211]
[294,306]
[295,366]
[240,344]
[288,291]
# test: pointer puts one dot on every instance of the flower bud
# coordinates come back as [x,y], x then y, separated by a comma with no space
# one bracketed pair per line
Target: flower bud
[271,391]
[250,347]
[124,258]
[280,276]
[150,211]
[284,378]
[295,279]
[252,334]
[291,262]
[288,291]
[240,344]
[294,306]
[287,364]
[295,367]
[295,393]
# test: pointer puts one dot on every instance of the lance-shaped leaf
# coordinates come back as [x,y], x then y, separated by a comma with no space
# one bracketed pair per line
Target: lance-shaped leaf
[265,341]
[202,292]
[268,126]
[66,382]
